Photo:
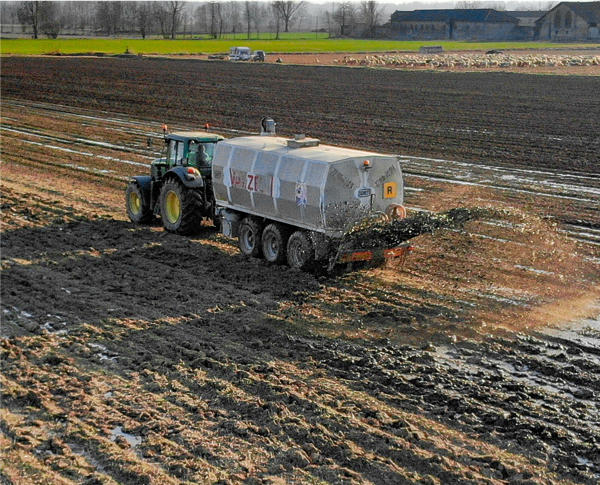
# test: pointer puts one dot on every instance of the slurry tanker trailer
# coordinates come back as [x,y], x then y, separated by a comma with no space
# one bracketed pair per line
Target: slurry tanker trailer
[287,200]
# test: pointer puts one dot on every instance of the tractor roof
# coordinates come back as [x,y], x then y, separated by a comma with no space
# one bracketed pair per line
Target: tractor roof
[195,135]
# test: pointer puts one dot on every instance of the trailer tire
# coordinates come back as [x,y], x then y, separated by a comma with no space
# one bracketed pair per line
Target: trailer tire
[136,204]
[274,241]
[300,251]
[249,240]
[179,208]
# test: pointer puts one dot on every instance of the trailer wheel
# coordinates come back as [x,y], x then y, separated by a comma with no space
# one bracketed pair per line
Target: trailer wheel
[179,208]
[249,237]
[274,240]
[300,251]
[138,209]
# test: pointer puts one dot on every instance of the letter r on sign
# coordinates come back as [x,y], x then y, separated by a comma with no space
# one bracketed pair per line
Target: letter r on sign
[389,190]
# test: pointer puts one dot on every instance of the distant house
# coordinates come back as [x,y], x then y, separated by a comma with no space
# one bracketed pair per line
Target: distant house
[570,21]
[455,24]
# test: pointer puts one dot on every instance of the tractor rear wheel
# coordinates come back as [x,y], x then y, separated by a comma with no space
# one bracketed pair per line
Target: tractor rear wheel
[249,237]
[138,209]
[274,240]
[300,251]
[179,208]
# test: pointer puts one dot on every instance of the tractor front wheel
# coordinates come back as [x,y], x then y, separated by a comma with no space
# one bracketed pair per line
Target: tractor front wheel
[138,208]
[179,208]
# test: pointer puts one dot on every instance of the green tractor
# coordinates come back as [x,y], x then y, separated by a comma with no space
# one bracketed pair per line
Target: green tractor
[179,186]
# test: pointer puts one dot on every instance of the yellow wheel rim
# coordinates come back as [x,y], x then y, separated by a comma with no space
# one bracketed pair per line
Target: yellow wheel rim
[173,206]
[135,203]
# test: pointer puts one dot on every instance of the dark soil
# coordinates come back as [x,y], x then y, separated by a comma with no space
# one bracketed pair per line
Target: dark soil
[130,355]
[501,118]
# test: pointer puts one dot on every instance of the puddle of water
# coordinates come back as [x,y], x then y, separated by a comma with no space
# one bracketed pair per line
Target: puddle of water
[84,141]
[50,327]
[486,183]
[454,357]
[580,329]
[103,354]
[509,170]
[88,169]
[584,461]
[133,440]
[86,154]
[534,270]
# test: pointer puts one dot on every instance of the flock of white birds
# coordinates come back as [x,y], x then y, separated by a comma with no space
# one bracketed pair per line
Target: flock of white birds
[476,60]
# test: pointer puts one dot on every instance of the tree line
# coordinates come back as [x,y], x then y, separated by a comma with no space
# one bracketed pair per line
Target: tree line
[172,19]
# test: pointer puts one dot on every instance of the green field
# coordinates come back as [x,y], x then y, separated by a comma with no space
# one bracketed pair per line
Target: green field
[190,46]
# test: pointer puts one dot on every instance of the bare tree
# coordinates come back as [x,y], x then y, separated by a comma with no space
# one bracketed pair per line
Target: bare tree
[370,13]
[286,10]
[344,17]
[143,18]
[29,13]
[51,19]
[42,16]
[276,18]
[108,16]
[216,20]
[201,16]
[248,16]
[161,16]
[233,17]
[174,8]
[260,14]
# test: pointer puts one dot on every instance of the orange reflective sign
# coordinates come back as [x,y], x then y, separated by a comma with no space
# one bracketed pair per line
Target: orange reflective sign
[390,189]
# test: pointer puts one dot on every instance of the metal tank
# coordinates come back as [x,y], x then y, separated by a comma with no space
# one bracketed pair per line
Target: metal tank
[305,184]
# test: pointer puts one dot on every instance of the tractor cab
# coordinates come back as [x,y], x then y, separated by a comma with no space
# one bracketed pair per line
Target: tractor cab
[188,149]
[179,187]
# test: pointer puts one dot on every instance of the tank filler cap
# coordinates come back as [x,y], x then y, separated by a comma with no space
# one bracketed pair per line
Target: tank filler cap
[302,141]
[267,127]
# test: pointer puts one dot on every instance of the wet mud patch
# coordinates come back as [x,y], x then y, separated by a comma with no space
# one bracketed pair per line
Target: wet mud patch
[207,398]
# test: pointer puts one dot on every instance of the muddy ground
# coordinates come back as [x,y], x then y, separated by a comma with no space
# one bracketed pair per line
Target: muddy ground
[486,118]
[134,356]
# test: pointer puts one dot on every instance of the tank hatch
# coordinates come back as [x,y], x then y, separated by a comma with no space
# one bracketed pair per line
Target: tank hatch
[302,141]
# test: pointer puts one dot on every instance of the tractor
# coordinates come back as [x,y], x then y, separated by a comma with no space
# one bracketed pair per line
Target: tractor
[179,187]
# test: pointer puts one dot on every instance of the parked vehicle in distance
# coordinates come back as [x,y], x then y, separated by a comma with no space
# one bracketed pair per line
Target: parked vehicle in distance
[240,54]
[259,56]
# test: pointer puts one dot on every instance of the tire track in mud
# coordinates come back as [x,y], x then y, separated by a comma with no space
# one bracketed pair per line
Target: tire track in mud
[540,183]
[245,351]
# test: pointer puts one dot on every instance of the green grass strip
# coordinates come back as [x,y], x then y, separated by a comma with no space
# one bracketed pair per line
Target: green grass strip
[179,46]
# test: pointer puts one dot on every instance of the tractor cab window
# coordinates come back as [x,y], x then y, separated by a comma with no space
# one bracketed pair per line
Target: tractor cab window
[200,154]
[175,152]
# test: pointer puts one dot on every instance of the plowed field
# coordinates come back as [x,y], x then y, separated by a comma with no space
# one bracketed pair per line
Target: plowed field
[130,355]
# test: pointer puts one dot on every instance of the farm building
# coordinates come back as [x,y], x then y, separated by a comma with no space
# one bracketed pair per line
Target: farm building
[526,18]
[570,21]
[457,24]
